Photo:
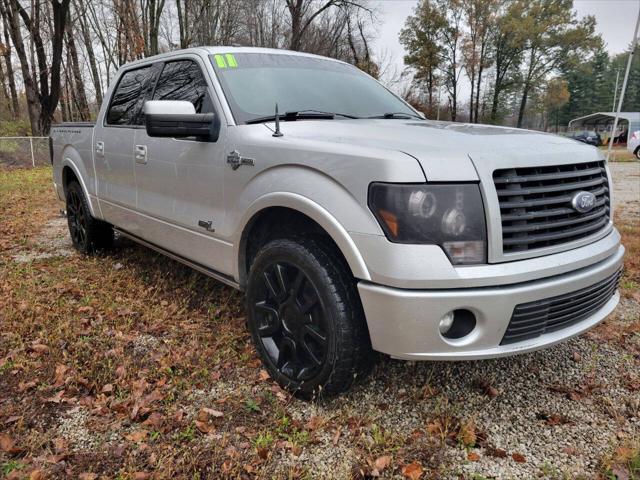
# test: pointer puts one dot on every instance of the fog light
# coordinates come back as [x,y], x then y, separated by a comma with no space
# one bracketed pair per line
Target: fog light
[457,324]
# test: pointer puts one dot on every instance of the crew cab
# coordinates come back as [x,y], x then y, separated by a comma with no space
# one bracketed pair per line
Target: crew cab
[352,223]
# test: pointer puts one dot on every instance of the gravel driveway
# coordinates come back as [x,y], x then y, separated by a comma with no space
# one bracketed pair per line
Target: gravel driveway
[626,185]
[555,413]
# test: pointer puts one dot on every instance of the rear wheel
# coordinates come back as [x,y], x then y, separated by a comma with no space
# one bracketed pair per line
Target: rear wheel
[88,234]
[305,317]
[637,152]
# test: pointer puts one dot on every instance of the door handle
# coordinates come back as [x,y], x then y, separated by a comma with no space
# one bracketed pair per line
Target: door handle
[100,148]
[141,154]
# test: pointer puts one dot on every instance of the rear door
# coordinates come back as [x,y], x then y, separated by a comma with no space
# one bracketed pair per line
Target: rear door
[113,146]
[179,181]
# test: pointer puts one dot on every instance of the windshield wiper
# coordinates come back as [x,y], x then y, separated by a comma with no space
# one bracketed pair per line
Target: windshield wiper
[398,115]
[299,115]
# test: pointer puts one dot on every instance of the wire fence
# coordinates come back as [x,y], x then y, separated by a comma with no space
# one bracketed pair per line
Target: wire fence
[24,151]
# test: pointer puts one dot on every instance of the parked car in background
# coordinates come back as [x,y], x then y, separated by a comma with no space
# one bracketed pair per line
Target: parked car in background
[586,136]
[351,222]
[633,143]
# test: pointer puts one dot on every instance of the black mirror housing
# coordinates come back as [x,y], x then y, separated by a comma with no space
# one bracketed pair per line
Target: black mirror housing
[205,126]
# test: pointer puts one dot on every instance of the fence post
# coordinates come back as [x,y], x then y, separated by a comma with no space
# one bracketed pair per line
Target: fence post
[33,159]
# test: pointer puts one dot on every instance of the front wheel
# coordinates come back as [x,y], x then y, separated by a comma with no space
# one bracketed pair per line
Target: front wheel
[88,234]
[305,317]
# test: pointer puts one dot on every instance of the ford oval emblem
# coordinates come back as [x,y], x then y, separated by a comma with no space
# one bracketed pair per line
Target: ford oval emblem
[583,202]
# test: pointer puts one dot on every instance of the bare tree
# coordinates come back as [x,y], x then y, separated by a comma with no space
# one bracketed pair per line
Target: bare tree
[5,52]
[42,95]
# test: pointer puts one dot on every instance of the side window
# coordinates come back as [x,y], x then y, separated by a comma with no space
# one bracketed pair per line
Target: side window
[183,80]
[129,97]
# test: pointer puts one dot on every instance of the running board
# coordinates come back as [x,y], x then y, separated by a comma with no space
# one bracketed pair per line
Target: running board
[221,277]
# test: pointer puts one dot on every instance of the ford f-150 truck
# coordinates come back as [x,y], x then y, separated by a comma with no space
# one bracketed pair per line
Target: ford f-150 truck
[353,224]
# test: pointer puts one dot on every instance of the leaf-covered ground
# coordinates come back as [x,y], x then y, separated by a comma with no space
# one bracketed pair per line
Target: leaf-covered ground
[129,365]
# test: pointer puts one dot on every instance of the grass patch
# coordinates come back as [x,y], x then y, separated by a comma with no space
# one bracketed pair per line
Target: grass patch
[620,154]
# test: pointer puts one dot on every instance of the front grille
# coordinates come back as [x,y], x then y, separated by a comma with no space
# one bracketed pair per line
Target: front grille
[530,320]
[535,204]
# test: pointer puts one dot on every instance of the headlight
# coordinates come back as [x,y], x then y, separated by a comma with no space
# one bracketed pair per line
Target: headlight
[449,215]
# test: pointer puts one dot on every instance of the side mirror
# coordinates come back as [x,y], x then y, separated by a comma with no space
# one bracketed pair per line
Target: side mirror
[177,118]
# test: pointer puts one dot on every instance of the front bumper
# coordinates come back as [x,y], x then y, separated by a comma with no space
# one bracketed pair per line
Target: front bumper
[404,323]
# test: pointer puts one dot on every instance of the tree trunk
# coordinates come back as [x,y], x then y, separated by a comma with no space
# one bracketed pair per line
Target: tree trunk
[523,104]
[11,79]
[43,101]
[477,103]
[472,79]
[183,22]
[30,88]
[155,10]
[5,90]
[78,82]
[295,10]
[88,45]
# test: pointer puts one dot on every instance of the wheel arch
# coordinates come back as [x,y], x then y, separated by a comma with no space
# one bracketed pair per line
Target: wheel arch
[71,171]
[290,209]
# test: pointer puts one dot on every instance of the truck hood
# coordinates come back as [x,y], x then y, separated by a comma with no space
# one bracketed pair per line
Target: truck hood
[448,151]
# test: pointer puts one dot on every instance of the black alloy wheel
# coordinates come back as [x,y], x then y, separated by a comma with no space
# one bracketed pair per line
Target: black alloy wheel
[88,234]
[77,220]
[305,317]
[292,325]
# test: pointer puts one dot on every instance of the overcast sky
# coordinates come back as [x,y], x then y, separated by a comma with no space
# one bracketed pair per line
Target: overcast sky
[615,22]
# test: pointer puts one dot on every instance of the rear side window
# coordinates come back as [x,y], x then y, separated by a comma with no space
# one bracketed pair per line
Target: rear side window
[130,95]
[183,80]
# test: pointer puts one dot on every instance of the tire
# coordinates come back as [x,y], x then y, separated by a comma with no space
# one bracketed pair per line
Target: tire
[88,234]
[306,319]
[637,152]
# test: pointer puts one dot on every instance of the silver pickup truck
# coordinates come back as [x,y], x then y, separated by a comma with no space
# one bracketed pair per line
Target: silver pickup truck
[353,224]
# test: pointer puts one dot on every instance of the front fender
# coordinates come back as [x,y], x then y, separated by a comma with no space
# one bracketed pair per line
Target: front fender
[312,210]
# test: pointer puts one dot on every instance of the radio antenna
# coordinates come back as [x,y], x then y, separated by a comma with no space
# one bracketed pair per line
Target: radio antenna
[277,133]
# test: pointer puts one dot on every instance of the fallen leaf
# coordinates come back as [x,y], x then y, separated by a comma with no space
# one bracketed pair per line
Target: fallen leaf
[24,386]
[473,457]
[575,396]
[108,388]
[412,471]
[39,348]
[36,474]
[496,452]
[263,453]
[61,375]
[467,433]
[518,457]
[620,473]
[7,444]
[314,423]
[336,436]
[141,475]
[57,398]
[264,375]
[137,436]
[577,357]
[204,427]
[382,462]
[213,413]
[87,476]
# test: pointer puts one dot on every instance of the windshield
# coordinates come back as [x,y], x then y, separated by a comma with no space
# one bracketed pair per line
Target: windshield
[254,82]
